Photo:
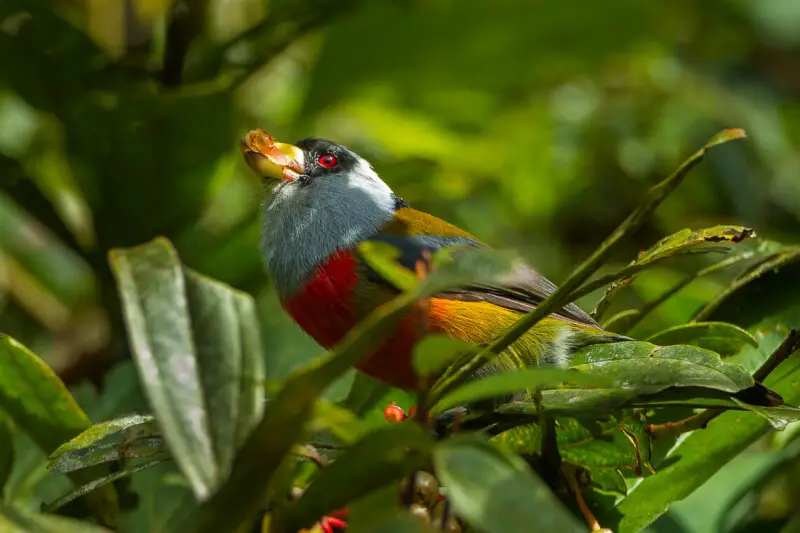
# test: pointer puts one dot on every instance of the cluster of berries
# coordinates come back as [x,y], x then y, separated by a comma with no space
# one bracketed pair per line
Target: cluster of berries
[427,503]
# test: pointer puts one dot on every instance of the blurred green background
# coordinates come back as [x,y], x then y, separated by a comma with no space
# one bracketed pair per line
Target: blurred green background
[534,125]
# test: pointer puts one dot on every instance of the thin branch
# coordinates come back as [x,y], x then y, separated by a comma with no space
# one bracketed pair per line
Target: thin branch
[691,423]
[789,345]
[700,420]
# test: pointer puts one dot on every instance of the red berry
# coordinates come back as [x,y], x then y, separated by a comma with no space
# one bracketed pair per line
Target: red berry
[394,414]
[331,525]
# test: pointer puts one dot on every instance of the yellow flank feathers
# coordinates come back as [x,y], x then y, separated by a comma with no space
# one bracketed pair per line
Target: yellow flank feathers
[481,322]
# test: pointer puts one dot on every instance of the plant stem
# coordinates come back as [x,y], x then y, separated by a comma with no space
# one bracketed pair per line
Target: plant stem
[789,345]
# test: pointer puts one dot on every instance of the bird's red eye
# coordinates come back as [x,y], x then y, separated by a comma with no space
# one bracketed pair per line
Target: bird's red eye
[328,160]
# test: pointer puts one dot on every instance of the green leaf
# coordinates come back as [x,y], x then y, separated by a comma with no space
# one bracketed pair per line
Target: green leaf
[405,523]
[742,507]
[39,403]
[498,493]
[379,458]
[6,449]
[498,385]
[608,480]
[342,422]
[648,368]
[778,416]
[435,351]
[622,321]
[687,241]
[614,444]
[106,452]
[371,512]
[59,269]
[382,258]
[95,434]
[104,481]
[720,337]
[459,266]
[642,375]
[197,348]
[17,520]
[603,447]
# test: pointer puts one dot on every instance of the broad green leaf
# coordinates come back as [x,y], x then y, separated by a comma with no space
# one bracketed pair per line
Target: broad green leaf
[498,385]
[285,416]
[720,337]
[645,375]
[435,351]
[197,348]
[17,520]
[496,492]
[648,368]
[379,458]
[39,403]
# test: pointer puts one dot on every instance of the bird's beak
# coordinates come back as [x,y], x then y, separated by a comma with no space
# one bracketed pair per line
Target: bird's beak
[270,159]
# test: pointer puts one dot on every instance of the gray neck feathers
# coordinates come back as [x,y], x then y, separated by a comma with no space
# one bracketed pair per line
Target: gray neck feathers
[302,225]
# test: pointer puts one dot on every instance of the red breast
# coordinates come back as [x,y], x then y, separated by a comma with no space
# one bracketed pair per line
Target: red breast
[325,309]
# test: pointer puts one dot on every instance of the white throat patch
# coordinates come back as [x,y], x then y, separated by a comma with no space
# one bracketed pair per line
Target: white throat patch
[303,224]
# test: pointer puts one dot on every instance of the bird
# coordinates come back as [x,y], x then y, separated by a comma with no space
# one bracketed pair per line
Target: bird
[324,200]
